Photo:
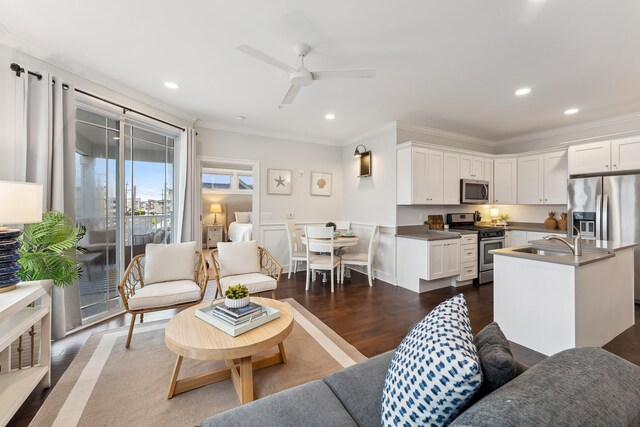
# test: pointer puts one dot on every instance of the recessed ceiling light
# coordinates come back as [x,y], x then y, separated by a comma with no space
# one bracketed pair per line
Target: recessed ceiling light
[523,91]
[172,85]
[330,116]
[571,111]
[240,117]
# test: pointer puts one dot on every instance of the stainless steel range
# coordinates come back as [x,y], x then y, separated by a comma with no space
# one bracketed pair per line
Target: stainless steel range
[489,238]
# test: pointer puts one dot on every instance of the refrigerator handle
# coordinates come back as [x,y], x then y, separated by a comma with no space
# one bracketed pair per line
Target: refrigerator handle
[598,217]
[605,217]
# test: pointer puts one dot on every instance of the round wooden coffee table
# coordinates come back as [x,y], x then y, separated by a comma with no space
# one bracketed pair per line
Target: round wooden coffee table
[193,338]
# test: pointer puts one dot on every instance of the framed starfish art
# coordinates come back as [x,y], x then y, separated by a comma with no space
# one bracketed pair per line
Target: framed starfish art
[279,181]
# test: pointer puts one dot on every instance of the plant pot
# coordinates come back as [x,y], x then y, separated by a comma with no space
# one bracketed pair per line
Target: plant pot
[237,303]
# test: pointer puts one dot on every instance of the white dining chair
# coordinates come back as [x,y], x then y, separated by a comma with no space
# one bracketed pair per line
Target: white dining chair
[364,259]
[295,253]
[343,225]
[316,260]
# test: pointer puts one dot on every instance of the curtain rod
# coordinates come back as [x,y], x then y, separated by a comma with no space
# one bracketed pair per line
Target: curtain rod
[19,70]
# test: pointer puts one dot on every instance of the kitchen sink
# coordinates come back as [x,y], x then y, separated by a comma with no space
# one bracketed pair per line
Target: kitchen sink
[543,252]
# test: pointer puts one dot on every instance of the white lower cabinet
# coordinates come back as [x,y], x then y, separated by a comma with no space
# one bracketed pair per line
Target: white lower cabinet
[468,257]
[427,265]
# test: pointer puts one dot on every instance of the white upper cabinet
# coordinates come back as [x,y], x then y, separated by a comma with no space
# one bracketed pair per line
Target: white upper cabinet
[625,154]
[451,177]
[419,176]
[594,157]
[435,177]
[531,180]
[471,167]
[488,176]
[556,174]
[505,178]
[542,179]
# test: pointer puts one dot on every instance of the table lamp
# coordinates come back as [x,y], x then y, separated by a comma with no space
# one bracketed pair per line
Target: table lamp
[215,209]
[21,203]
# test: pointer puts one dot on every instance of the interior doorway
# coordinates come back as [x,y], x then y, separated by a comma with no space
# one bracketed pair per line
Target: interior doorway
[228,206]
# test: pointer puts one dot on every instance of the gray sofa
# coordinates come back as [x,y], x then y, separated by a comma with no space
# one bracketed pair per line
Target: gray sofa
[586,386]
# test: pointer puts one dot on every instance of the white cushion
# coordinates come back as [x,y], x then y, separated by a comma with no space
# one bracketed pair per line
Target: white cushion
[238,258]
[166,262]
[243,217]
[356,256]
[300,254]
[435,370]
[255,282]
[165,294]
[317,261]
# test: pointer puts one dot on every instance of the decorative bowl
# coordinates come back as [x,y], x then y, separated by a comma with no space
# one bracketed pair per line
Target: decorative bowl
[237,303]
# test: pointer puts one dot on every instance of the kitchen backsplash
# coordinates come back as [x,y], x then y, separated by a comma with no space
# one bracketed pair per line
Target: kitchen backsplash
[410,215]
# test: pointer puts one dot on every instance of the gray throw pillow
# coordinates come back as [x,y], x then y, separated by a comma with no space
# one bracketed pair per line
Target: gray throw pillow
[498,364]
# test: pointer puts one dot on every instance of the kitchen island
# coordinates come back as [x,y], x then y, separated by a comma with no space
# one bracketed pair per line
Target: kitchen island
[549,300]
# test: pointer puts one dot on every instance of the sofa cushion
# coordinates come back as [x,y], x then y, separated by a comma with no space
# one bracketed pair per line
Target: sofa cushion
[359,388]
[255,282]
[167,262]
[165,294]
[238,258]
[498,364]
[583,386]
[435,370]
[311,404]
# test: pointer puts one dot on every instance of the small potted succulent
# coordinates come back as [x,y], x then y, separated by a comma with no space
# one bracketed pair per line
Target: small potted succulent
[236,296]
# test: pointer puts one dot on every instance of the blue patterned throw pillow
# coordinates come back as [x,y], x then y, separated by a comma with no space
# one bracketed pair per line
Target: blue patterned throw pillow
[435,370]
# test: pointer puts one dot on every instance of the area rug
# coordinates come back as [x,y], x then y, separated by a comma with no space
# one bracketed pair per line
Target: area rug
[108,385]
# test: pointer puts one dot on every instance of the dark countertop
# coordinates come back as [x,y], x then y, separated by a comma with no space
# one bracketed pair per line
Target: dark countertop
[587,257]
[608,246]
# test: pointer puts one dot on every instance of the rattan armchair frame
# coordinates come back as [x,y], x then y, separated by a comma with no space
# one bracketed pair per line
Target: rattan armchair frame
[134,280]
[268,266]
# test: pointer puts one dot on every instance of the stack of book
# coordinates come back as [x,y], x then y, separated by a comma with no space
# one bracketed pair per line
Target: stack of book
[237,316]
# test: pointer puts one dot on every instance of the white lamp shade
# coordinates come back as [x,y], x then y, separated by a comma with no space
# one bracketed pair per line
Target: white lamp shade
[494,212]
[20,203]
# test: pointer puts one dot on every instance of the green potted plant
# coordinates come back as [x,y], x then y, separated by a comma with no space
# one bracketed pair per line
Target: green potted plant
[49,250]
[236,296]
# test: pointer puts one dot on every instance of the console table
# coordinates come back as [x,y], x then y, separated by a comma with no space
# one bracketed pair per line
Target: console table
[20,310]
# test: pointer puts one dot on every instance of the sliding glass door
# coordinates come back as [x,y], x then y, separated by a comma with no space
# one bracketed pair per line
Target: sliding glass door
[124,197]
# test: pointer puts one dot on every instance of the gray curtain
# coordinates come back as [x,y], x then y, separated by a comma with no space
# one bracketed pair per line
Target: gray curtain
[186,165]
[45,133]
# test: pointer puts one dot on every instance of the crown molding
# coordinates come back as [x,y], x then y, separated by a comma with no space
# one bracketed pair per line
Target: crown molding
[569,129]
[25,47]
[268,134]
[370,133]
[445,134]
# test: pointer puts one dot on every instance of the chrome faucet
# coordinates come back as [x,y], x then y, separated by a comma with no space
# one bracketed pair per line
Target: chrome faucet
[576,248]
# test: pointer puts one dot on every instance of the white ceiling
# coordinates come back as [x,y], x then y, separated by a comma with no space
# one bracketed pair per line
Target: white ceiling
[451,65]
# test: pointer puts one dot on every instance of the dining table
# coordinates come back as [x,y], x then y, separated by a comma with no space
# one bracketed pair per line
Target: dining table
[339,243]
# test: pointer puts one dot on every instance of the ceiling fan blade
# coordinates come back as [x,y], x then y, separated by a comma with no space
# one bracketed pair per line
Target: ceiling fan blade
[264,57]
[291,94]
[343,74]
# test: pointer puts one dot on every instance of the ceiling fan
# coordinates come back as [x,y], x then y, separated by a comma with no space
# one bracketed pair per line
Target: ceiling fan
[302,77]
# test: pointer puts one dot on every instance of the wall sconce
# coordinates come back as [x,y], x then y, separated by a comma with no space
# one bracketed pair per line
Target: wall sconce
[364,157]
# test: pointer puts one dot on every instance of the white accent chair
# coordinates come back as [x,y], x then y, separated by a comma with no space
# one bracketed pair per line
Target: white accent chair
[166,276]
[343,225]
[295,254]
[316,250]
[360,258]
[245,263]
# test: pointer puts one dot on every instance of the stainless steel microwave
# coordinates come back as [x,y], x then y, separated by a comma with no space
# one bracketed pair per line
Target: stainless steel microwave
[474,191]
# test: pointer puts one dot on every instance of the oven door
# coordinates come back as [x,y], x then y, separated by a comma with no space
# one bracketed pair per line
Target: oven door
[486,259]
[474,191]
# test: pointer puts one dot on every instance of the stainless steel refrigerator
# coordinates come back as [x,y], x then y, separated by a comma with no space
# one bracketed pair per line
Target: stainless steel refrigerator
[607,208]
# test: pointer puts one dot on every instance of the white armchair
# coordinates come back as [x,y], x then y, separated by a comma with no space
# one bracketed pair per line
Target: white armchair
[167,276]
[245,263]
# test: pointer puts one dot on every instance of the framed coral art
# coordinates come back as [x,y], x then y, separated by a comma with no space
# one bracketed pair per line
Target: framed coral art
[320,184]
[279,181]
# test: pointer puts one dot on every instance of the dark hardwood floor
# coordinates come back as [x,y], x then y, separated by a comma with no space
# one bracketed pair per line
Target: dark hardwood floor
[373,319]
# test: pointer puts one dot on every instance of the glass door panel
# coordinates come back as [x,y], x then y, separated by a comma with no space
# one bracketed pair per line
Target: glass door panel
[97,156]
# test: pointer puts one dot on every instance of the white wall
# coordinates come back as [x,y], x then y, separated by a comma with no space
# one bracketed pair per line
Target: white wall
[405,134]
